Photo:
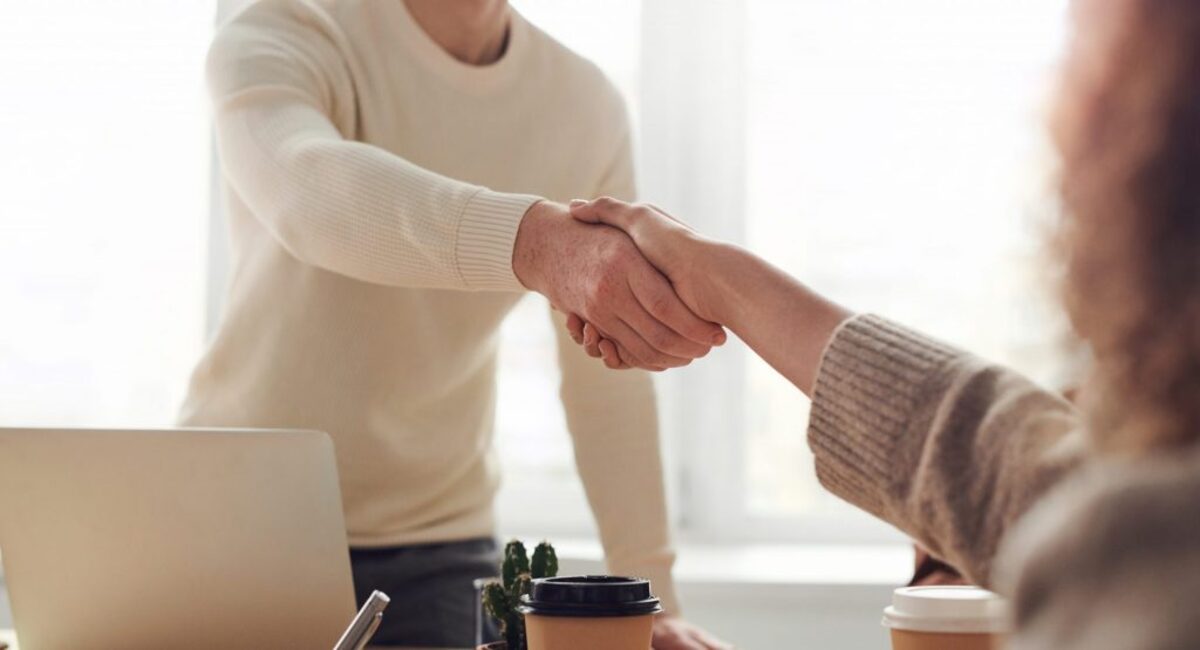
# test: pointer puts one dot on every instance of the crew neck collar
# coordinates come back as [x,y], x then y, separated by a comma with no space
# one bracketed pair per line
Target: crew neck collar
[465,76]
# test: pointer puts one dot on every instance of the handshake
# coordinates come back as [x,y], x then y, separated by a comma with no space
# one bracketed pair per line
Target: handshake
[630,278]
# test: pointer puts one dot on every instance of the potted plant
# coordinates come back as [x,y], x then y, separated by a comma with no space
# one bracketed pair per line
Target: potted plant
[502,597]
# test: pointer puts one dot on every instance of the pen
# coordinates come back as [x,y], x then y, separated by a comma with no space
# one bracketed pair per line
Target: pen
[363,627]
[375,621]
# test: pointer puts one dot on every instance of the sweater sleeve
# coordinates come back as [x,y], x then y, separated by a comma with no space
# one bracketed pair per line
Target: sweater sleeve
[284,109]
[948,448]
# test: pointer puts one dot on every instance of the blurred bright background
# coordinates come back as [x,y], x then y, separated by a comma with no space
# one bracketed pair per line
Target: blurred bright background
[890,153]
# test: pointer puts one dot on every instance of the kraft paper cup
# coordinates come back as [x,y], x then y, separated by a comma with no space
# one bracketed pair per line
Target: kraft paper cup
[946,618]
[589,613]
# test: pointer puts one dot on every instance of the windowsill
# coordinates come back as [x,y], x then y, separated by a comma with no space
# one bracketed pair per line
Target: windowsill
[766,566]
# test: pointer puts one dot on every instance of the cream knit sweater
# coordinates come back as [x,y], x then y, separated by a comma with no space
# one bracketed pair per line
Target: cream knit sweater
[375,186]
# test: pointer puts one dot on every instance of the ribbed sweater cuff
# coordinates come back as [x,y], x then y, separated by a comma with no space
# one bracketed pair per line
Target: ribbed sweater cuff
[875,383]
[486,233]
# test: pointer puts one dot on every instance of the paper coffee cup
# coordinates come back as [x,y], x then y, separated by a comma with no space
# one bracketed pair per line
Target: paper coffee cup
[945,618]
[589,613]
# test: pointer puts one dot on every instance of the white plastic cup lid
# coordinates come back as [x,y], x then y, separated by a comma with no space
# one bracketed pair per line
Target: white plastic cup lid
[962,610]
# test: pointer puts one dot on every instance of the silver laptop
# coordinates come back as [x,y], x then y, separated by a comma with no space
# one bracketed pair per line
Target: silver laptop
[173,539]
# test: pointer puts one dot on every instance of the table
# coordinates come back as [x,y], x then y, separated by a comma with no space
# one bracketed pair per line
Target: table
[7,636]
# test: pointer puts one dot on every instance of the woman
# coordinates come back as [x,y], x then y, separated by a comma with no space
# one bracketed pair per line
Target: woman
[1086,517]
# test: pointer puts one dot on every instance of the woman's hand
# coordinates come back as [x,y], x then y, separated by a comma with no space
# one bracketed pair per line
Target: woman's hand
[667,243]
[782,320]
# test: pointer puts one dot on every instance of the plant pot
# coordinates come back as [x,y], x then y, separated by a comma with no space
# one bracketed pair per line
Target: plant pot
[498,645]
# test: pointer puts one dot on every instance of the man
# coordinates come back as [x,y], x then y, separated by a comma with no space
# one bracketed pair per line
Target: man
[372,151]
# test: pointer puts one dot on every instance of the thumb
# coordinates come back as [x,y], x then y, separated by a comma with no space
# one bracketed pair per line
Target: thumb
[585,211]
[604,210]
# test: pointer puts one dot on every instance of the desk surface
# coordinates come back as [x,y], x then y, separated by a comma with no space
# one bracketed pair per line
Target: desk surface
[7,636]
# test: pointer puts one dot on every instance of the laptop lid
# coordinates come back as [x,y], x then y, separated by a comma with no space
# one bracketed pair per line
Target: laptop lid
[173,538]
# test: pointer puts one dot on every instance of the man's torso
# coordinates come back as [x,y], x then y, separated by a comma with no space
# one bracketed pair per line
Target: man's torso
[402,378]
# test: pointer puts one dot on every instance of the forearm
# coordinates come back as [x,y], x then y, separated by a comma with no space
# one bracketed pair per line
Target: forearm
[360,211]
[783,321]
[941,444]
[944,446]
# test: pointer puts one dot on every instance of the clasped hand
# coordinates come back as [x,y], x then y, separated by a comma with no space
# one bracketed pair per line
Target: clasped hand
[621,307]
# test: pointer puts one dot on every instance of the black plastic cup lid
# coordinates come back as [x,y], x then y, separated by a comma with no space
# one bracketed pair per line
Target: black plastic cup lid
[588,596]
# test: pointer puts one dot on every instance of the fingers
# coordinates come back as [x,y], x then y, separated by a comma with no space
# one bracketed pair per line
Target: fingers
[635,344]
[689,335]
[612,212]
[645,342]
[614,356]
[650,325]
[598,347]
[591,340]
[621,318]
[575,326]
[626,300]
[669,216]
[604,210]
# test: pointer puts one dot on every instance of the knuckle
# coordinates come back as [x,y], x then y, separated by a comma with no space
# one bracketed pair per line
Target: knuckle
[597,292]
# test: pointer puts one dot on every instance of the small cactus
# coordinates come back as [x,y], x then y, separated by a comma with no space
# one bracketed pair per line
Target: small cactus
[545,561]
[501,598]
[516,562]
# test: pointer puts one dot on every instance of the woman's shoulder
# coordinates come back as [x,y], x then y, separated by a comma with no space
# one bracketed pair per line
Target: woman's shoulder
[1110,558]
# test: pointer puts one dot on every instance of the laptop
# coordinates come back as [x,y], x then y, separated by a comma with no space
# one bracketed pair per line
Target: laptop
[180,538]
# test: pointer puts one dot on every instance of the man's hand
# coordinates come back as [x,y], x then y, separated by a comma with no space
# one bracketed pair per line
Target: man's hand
[597,273]
[672,247]
[671,633]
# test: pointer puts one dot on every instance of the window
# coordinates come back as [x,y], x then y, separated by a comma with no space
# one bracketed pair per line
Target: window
[103,209]
[895,159]
[892,156]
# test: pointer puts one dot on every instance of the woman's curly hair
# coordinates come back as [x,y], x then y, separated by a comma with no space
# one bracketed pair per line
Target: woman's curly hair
[1127,125]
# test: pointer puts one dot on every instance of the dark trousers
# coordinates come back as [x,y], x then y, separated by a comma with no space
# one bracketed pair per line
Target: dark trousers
[432,589]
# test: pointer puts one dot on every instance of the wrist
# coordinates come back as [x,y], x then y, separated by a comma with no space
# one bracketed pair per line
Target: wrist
[530,249]
[740,284]
[720,273]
